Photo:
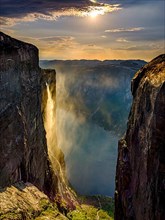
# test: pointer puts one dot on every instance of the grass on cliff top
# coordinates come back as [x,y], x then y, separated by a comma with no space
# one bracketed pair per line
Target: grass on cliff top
[88,212]
[49,211]
[104,203]
[93,208]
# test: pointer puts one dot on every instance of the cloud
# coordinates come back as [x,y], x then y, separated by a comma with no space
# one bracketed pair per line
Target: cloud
[119,30]
[138,34]
[143,47]
[26,11]
[20,8]
[129,3]
[23,7]
[69,47]
[122,40]
[54,39]
[103,36]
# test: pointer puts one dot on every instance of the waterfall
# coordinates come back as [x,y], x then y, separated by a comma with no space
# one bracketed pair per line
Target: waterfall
[50,122]
[50,126]
[55,154]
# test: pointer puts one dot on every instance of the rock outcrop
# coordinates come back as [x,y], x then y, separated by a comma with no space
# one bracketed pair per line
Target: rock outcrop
[24,140]
[140,174]
[23,146]
[25,201]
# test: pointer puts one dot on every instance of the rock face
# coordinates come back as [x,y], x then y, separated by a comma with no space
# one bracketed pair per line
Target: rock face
[14,204]
[22,136]
[27,104]
[140,174]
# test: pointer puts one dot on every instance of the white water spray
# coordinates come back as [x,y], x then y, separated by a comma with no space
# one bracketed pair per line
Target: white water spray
[53,151]
[50,121]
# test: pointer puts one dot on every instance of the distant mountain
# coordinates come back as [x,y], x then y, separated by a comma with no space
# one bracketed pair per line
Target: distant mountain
[127,63]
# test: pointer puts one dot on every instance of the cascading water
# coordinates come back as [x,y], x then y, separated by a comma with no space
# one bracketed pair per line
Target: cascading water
[54,152]
[50,121]
[50,127]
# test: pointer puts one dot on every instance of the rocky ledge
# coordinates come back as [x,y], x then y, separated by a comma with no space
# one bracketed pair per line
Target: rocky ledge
[25,202]
[140,174]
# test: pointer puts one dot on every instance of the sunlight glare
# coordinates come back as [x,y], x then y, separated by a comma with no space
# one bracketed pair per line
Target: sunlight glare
[94,11]
[93,14]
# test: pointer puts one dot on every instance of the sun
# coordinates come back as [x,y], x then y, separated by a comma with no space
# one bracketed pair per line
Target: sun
[93,14]
[94,11]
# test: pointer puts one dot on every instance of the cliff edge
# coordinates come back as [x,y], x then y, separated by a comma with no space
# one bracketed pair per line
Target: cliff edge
[140,174]
[23,146]
[33,184]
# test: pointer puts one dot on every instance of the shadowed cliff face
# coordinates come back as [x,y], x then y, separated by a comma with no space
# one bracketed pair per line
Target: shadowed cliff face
[22,136]
[140,173]
[28,142]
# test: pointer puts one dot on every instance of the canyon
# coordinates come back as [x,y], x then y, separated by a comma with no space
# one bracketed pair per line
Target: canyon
[32,165]
[92,105]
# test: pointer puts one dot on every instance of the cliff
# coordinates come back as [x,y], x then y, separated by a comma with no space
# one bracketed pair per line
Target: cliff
[28,144]
[22,135]
[140,173]
[33,184]
[23,146]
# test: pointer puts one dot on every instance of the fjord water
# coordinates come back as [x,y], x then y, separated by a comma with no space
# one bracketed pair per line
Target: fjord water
[90,154]
[92,107]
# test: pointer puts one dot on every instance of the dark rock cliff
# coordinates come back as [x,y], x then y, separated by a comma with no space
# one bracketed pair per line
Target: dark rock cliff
[28,151]
[140,174]
[23,149]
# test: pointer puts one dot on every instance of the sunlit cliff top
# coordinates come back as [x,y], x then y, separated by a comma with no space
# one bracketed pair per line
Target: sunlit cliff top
[154,72]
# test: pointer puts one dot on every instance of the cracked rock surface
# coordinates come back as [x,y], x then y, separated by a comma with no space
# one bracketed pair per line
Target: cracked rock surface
[140,174]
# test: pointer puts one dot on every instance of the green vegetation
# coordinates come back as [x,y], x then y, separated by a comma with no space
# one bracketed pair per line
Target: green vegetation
[49,211]
[88,212]
[45,210]
[103,203]
[91,208]
[27,202]
[10,216]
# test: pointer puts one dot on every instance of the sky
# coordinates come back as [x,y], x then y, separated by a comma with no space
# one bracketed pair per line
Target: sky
[87,29]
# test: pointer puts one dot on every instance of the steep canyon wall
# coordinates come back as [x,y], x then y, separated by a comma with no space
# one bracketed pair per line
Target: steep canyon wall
[26,91]
[140,174]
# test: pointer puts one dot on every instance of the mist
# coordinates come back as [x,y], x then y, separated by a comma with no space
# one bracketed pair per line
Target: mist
[92,106]
[90,154]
